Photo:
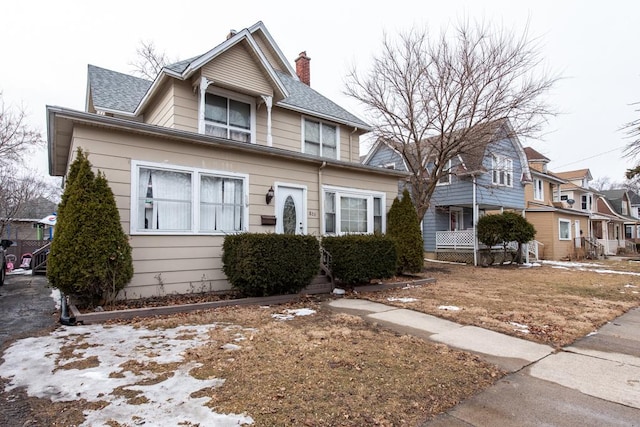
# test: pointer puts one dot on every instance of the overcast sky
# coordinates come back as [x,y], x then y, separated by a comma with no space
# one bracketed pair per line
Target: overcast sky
[47,45]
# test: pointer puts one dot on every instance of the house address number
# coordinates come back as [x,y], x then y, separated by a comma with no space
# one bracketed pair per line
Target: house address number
[312,214]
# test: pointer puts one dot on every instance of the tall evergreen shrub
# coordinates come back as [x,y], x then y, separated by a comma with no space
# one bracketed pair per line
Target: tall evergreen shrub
[90,255]
[403,227]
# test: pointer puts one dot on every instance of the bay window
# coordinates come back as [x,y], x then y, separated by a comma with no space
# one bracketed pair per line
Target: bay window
[353,211]
[320,139]
[168,200]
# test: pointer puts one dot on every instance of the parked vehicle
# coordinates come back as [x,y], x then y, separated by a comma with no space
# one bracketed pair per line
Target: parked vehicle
[4,244]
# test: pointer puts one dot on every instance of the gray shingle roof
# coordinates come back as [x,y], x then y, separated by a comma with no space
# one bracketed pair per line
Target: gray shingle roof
[116,91]
[302,96]
[180,66]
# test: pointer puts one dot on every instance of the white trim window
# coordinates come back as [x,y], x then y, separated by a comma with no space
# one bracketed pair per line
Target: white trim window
[564,229]
[502,171]
[229,116]
[538,189]
[179,200]
[445,179]
[350,211]
[320,138]
[586,202]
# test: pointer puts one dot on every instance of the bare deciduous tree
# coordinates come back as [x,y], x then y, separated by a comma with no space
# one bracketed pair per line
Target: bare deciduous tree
[149,60]
[16,136]
[18,185]
[434,98]
[632,150]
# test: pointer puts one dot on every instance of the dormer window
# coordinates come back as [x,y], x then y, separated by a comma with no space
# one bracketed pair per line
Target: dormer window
[228,117]
[320,139]
[538,189]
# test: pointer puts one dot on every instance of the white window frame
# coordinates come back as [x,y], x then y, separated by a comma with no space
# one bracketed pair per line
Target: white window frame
[196,174]
[320,122]
[236,97]
[568,224]
[501,171]
[586,202]
[446,179]
[353,193]
[538,189]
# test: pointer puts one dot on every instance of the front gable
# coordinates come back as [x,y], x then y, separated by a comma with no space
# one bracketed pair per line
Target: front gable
[238,69]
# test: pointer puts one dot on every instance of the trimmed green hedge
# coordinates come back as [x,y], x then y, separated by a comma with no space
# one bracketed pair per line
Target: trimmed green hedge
[259,264]
[360,258]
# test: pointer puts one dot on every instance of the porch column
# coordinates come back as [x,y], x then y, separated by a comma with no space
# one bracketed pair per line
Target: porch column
[268,101]
[204,84]
[475,224]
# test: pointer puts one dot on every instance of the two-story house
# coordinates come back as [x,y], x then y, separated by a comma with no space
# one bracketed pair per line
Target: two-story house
[560,230]
[233,140]
[618,204]
[490,177]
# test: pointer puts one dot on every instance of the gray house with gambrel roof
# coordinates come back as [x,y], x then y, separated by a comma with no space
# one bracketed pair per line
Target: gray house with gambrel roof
[489,178]
[230,141]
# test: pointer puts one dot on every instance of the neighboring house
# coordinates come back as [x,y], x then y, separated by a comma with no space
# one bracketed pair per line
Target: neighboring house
[622,228]
[606,225]
[230,141]
[560,230]
[25,225]
[492,178]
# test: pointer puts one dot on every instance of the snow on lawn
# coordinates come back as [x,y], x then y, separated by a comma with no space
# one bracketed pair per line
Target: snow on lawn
[585,266]
[291,314]
[403,299]
[519,327]
[448,307]
[31,363]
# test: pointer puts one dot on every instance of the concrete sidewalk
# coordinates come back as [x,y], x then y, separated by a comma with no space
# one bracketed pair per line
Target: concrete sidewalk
[596,381]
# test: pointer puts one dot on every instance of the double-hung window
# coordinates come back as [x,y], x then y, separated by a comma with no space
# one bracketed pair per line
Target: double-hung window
[586,202]
[320,139]
[353,211]
[538,189]
[564,229]
[227,117]
[176,200]
[445,177]
[502,169]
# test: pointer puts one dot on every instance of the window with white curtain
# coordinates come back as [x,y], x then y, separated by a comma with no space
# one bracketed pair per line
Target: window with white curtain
[320,139]
[353,211]
[538,189]
[227,118]
[564,229]
[186,200]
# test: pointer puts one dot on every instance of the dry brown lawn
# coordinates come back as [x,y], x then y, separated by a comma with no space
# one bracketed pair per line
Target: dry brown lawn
[546,304]
[331,369]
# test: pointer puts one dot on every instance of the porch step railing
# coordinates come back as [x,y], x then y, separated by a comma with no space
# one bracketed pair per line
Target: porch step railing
[39,259]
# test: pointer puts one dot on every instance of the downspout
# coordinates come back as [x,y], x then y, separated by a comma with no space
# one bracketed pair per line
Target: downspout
[320,197]
[65,318]
[475,224]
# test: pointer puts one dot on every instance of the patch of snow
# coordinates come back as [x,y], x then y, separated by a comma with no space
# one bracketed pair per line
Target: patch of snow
[32,363]
[449,308]
[291,314]
[592,333]
[403,299]
[571,264]
[55,295]
[529,265]
[338,291]
[519,327]
[230,347]
[628,273]
[629,285]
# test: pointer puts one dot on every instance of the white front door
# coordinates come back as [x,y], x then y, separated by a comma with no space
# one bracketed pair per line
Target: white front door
[291,206]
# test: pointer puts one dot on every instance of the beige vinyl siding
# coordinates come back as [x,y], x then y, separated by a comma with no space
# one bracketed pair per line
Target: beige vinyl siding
[181,262]
[286,129]
[186,106]
[238,70]
[268,52]
[349,144]
[160,110]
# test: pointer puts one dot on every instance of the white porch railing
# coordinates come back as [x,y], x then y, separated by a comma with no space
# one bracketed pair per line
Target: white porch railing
[462,239]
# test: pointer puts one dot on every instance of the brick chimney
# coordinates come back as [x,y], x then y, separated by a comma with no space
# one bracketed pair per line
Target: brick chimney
[303,68]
